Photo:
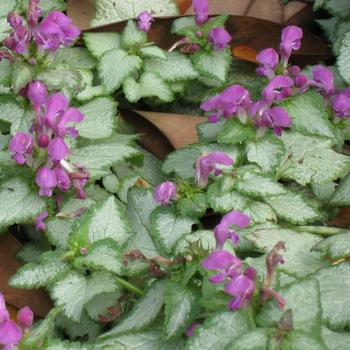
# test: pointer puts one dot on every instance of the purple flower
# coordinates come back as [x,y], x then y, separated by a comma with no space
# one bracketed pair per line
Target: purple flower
[4,314]
[201,10]
[14,20]
[25,317]
[223,231]
[20,145]
[37,94]
[43,140]
[242,288]
[291,40]
[268,59]
[278,88]
[19,40]
[341,105]
[208,164]
[33,13]
[145,20]
[57,149]
[220,38]
[165,192]
[46,180]
[39,221]
[275,118]
[190,330]
[63,180]
[323,80]
[56,30]
[224,263]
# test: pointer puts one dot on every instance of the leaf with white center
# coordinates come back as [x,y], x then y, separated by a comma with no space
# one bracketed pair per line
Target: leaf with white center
[338,8]
[76,57]
[303,298]
[179,309]
[99,43]
[213,65]
[298,340]
[10,109]
[57,344]
[22,74]
[311,160]
[266,152]
[259,212]
[236,132]
[336,340]
[115,66]
[153,51]
[100,118]
[343,61]
[42,274]
[309,115]
[102,155]
[219,330]
[143,313]
[294,208]
[7,6]
[111,183]
[259,186]
[132,36]
[46,6]
[334,286]
[140,205]
[91,92]
[208,132]
[102,255]
[5,71]
[19,204]
[181,23]
[30,252]
[73,291]
[324,192]
[334,247]
[175,67]
[341,195]
[108,12]
[254,340]
[149,85]
[168,227]
[300,261]
[23,123]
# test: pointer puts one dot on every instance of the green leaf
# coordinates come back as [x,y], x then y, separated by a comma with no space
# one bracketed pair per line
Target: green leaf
[179,309]
[19,204]
[34,275]
[293,207]
[22,74]
[111,183]
[181,23]
[341,195]
[343,61]
[254,340]
[143,313]
[334,286]
[100,118]
[196,206]
[10,109]
[303,298]
[30,252]
[73,291]
[309,115]
[219,330]
[57,344]
[208,132]
[301,340]
[236,132]
[338,8]
[76,57]
[91,92]
[259,212]
[168,227]
[115,66]
[334,247]
[102,155]
[149,85]
[213,65]
[153,51]
[336,340]
[311,160]
[175,68]
[132,36]
[23,122]
[299,260]
[7,6]
[266,152]
[140,205]
[99,43]
[104,254]
[46,6]
[107,12]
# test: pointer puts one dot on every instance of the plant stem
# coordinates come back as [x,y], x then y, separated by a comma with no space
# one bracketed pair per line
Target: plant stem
[324,231]
[129,286]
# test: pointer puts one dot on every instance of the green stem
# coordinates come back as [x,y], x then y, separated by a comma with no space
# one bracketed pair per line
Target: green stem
[129,286]
[324,231]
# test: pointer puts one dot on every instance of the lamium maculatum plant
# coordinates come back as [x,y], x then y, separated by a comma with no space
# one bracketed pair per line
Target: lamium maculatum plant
[226,244]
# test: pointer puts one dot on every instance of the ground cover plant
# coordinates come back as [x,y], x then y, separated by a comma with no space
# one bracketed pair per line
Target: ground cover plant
[224,245]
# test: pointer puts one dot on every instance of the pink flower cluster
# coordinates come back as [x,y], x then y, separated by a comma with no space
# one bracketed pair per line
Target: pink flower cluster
[47,151]
[11,332]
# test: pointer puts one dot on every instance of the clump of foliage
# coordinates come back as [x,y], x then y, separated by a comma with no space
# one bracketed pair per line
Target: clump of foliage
[121,242]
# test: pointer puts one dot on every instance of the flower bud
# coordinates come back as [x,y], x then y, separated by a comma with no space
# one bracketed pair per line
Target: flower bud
[37,94]
[25,317]
[165,192]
